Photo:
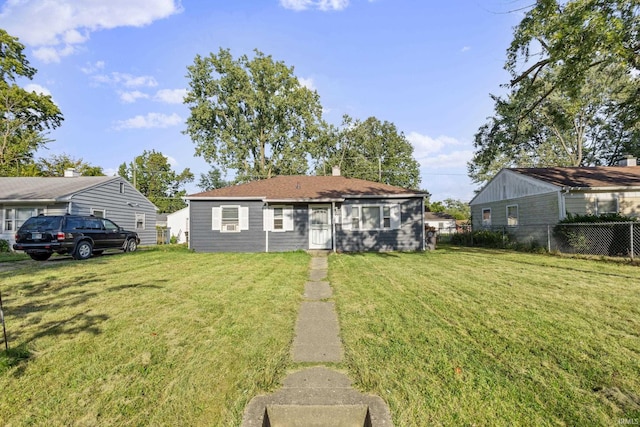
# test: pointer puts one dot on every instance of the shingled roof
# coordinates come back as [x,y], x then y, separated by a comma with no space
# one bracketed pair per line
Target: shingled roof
[586,177]
[40,188]
[306,188]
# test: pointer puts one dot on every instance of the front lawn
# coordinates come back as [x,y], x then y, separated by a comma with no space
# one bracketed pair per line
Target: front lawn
[148,338]
[459,336]
[481,337]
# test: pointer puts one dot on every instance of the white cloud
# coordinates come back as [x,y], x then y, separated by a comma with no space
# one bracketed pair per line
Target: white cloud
[56,28]
[465,49]
[32,87]
[314,4]
[170,96]
[126,80]
[93,68]
[131,97]
[151,120]
[454,159]
[424,146]
[308,83]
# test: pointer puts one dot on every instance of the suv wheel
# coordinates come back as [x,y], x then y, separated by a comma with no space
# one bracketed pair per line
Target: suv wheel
[130,245]
[40,257]
[83,250]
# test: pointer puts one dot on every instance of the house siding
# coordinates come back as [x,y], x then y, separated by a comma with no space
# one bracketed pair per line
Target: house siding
[408,237]
[117,207]
[203,238]
[584,203]
[532,210]
[298,239]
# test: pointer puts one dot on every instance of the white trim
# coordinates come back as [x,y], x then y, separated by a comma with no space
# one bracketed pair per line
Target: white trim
[482,222]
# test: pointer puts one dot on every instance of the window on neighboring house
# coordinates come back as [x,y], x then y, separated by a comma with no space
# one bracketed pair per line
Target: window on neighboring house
[355,217]
[122,188]
[606,206]
[486,217]
[15,217]
[278,219]
[230,218]
[100,213]
[140,220]
[512,215]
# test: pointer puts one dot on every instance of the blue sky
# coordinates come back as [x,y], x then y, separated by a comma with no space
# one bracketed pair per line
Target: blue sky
[117,69]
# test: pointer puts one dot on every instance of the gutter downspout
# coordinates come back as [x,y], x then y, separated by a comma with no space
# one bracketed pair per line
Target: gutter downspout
[266,229]
[423,225]
[333,226]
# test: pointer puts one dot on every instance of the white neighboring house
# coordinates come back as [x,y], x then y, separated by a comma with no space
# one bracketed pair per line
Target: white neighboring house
[178,224]
[442,222]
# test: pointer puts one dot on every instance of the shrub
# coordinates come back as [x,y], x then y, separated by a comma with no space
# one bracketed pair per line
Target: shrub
[4,246]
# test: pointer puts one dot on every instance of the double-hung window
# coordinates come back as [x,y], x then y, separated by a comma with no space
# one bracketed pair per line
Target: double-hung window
[606,206]
[512,215]
[355,218]
[278,218]
[140,220]
[486,217]
[230,218]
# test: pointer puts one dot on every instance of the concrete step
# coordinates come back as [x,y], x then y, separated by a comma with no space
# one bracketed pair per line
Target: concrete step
[317,397]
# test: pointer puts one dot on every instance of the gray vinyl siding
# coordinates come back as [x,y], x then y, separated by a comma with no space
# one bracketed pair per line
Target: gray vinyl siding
[408,237]
[541,209]
[203,239]
[119,207]
[298,239]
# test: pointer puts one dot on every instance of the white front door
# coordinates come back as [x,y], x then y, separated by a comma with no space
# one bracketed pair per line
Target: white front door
[320,227]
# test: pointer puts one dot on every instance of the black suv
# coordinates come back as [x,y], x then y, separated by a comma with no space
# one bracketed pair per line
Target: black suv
[80,236]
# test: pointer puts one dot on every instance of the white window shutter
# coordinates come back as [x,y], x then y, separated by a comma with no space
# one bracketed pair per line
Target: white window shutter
[267,219]
[244,217]
[216,218]
[287,213]
[346,217]
[396,220]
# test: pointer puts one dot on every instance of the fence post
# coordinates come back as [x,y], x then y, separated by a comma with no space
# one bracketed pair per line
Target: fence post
[631,239]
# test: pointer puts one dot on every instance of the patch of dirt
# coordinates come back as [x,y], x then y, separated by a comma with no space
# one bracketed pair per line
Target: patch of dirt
[623,399]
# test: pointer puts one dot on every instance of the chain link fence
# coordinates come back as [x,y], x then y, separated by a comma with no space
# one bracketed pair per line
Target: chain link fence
[615,239]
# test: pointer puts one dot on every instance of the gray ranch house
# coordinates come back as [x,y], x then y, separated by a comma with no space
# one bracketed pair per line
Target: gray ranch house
[523,199]
[111,197]
[288,213]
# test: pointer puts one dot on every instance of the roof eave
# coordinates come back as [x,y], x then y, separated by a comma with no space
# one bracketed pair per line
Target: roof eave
[32,200]
[621,188]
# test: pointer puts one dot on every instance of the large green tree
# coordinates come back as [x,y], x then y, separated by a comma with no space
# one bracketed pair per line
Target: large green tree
[55,165]
[251,115]
[371,150]
[573,98]
[26,117]
[151,174]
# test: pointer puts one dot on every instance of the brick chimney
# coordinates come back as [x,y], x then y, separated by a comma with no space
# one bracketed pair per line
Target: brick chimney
[627,161]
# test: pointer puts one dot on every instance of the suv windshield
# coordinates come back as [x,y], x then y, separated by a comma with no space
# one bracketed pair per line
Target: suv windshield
[41,223]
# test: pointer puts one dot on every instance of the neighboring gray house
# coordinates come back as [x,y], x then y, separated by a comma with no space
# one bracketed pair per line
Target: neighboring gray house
[111,197]
[522,199]
[288,213]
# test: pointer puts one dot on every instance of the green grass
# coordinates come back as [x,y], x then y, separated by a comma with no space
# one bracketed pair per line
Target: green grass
[458,336]
[149,338]
[466,336]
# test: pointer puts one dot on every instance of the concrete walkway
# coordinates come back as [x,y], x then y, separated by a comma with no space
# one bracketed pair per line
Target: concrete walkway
[317,396]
